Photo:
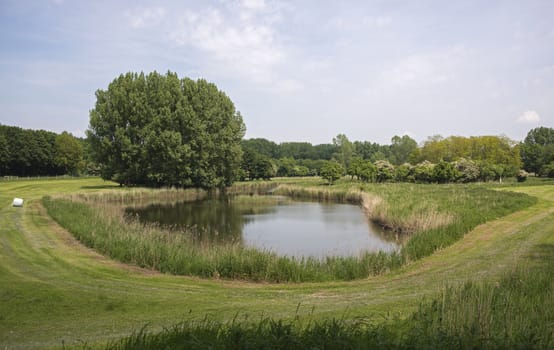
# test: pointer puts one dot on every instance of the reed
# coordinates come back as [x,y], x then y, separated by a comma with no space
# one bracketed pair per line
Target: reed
[138,195]
[432,216]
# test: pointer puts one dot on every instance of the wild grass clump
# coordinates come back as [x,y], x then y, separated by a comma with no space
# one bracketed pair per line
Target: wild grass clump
[245,334]
[515,313]
[139,195]
[433,216]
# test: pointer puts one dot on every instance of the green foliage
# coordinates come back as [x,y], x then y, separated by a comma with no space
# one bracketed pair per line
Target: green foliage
[345,150]
[371,151]
[296,150]
[468,170]
[444,172]
[69,153]
[262,146]
[256,166]
[548,170]
[459,159]
[367,171]
[404,173]
[355,167]
[161,130]
[537,149]
[26,152]
[362,169]
[323,151]
[331,171]
[496,150]
[384,171]
[423,172]
[290,167]
[401,149]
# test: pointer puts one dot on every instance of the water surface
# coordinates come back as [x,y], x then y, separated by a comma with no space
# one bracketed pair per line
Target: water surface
[278,224]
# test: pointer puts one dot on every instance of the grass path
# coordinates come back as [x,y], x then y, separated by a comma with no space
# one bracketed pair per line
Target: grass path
[52,289]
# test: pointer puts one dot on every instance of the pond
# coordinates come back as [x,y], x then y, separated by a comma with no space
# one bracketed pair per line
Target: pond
[279,224]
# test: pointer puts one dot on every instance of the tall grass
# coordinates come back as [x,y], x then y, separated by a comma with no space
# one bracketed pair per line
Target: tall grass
[515,313]
[97,221]
[138,196]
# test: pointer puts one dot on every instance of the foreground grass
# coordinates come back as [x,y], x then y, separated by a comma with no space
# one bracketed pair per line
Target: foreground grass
[53,289]
[516,312]
[435,216]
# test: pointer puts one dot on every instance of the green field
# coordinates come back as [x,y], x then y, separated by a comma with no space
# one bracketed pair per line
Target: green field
[54,291]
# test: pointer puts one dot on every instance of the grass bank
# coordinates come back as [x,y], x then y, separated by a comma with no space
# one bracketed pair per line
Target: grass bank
[55,291]
[434,217]
[516,312]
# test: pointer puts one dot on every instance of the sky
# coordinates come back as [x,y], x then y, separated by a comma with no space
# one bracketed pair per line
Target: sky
[302,70]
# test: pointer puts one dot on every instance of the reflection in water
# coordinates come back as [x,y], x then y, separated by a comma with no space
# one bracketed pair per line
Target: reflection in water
[283,226]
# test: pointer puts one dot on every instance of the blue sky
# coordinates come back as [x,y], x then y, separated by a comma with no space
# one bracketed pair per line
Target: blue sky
[296,70]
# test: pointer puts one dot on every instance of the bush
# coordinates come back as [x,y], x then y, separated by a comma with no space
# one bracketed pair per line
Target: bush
[385,170]
[423,172]
[468,171]
[444,172]
[522,175]
[404,172]
[331,171]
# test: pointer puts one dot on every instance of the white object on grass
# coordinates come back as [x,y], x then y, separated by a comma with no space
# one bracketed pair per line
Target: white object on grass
[17,202]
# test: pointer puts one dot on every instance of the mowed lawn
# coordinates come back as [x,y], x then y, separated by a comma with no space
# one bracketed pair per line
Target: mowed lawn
[53,291]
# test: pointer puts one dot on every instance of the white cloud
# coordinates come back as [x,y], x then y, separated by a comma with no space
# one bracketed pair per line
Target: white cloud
[529,117]
[246,45]
[144,17]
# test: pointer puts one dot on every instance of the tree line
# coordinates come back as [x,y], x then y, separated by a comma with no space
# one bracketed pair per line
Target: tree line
[438,159]
[25,152]
[160,130]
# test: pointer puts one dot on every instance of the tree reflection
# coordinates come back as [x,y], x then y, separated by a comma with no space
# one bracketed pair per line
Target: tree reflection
[219,220]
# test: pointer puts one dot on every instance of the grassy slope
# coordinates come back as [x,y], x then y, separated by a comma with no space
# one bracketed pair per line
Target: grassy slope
[53,289]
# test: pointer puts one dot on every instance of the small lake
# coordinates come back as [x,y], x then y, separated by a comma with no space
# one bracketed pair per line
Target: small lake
[285,226]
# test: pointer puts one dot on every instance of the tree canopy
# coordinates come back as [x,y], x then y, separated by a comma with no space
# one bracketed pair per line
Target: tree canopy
[496,151]
[160,130]
[25,152]
[537,151]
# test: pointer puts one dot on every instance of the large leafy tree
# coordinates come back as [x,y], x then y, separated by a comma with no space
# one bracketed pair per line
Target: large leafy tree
[161,130]
[331,171]
[401,149]
[256,165]
[69,153]
[537,150]
[345,150]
